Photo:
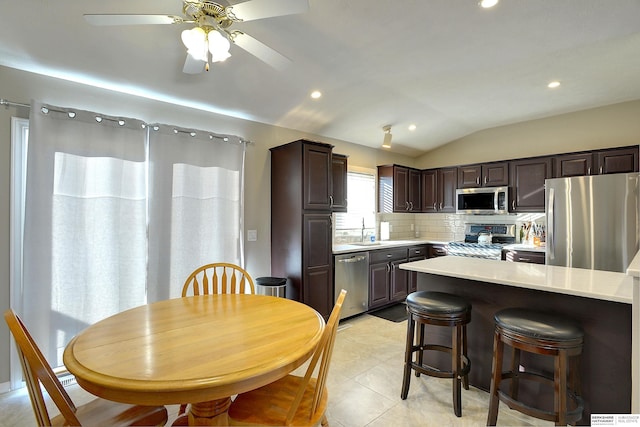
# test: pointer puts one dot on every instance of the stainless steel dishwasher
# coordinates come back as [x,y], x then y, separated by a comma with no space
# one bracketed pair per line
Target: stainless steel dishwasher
[352,274]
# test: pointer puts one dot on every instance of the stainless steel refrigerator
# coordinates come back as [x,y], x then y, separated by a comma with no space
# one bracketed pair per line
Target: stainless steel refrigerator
[592,221]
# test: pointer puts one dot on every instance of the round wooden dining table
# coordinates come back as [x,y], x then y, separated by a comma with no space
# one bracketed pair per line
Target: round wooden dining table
[199,350]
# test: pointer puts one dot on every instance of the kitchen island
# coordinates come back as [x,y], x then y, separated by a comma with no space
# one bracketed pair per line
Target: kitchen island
[601,301]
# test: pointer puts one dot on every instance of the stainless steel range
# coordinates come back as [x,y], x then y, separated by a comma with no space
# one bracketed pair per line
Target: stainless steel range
[483,241]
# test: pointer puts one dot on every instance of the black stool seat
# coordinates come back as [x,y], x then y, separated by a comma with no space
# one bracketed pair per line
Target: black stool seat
[538,325]
[424,302]
[542,333]
[438,309]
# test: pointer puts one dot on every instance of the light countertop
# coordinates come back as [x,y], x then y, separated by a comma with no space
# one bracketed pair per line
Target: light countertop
[381,244]
[634,266]
[603,285]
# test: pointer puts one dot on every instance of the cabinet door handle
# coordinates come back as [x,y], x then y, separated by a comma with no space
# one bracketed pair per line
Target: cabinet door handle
[406,204]
[486,179]
[524,259]
[477,180]
[388,268]
[600,170]
[589,170]
[410,206]
[331,201]
[440,205]
[513,205]
[434,206]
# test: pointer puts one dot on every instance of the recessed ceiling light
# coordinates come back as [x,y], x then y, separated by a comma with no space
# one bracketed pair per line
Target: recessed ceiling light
[553,85]
[412,127]
[488,3]
[316,94]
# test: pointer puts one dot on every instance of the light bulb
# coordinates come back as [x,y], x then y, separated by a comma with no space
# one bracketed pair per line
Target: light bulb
[218,46]
[194,39]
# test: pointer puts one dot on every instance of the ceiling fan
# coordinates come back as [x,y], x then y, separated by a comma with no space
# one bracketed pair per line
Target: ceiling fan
[211,35]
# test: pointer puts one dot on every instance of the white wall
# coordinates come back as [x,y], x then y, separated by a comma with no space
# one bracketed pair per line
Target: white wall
[615,125]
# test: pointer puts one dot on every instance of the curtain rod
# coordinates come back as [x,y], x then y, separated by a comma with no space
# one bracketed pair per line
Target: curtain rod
[13,104]
[8,103]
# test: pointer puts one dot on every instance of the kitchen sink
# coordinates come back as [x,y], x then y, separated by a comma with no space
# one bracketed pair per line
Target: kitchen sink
[366,243]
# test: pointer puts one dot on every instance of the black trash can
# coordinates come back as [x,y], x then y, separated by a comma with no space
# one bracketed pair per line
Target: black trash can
[274,286]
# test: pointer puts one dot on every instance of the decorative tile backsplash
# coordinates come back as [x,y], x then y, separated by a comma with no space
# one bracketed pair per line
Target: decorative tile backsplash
[445,227]
[441,227]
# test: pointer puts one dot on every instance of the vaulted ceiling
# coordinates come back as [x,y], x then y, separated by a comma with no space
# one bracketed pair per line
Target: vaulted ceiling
[449,67]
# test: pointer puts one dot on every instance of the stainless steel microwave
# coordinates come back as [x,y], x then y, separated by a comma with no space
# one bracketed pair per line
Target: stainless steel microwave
[482,201]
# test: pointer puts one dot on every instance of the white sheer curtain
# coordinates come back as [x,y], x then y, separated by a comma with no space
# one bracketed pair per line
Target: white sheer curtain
[118,214]
[85,223]
[195,199]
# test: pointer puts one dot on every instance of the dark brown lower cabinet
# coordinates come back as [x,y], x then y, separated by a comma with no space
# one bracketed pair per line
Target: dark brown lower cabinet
[399,282]
[416,253]
[387,282]
[317,263]
[532,257]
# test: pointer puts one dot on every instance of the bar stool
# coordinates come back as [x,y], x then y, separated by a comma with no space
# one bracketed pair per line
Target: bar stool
[439,309]
[539,333]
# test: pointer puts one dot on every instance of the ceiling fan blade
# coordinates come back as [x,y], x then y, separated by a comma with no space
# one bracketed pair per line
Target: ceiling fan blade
[261,50]
[132,19]
[193,65]
[259,9]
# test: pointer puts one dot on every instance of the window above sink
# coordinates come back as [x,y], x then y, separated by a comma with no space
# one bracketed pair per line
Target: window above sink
[358,224]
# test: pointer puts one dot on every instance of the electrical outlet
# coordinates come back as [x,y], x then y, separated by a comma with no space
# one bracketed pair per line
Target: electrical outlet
[252,235]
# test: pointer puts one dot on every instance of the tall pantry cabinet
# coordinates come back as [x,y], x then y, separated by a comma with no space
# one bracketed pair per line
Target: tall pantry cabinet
[301,225]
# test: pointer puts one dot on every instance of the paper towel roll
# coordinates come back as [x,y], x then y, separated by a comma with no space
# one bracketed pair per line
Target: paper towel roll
[384,231]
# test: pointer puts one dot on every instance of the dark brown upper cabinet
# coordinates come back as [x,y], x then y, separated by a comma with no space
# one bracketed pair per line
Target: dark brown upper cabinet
[574,164]
[617,160]
[493,174]
[399,189]
[317,185]
[527,183]
[430,190]
[439,190]
[339,171]
[447,183]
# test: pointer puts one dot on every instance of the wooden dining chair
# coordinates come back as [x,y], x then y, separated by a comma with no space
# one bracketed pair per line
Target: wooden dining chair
[215,278]
[218,278]
[292,400]
[98,412]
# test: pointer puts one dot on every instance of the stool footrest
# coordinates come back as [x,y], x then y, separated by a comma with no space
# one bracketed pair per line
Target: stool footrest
[530,376]
[428,370]
[572,415]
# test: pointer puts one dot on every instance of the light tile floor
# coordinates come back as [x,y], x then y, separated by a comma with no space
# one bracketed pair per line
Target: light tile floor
[364,387]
